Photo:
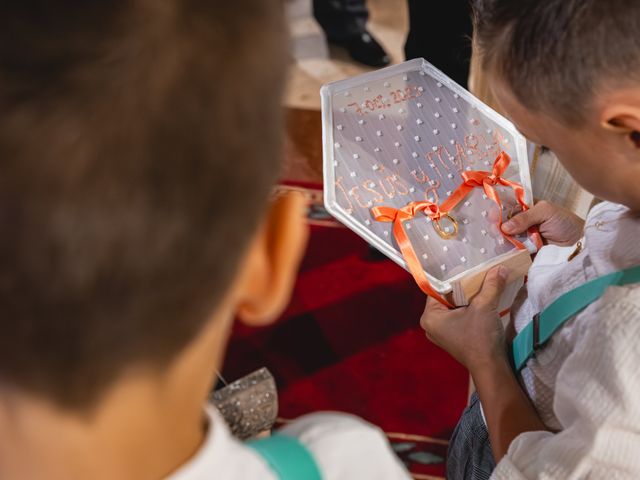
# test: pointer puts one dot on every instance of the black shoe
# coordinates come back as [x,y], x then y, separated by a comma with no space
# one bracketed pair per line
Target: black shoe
[363,48]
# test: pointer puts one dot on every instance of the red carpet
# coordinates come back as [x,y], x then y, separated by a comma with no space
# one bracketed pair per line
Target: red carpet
[350,341]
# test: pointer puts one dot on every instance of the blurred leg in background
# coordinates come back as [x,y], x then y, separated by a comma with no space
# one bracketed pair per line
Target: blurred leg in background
[345,24]
[440,32]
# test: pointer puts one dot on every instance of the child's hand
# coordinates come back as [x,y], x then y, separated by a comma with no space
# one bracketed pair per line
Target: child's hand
[557,225]
[474,335]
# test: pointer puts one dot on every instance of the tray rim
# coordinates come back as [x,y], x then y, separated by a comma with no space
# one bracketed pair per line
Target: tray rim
[330,200]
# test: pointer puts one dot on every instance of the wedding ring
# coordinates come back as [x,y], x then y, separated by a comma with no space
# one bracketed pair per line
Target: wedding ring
[445,233]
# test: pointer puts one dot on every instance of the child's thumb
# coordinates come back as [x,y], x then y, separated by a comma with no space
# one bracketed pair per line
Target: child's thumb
[536,215]
[493,286]
[518,223]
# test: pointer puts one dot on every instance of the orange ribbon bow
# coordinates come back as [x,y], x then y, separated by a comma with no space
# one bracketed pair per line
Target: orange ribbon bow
[472,179]
[488,181]
[398,217]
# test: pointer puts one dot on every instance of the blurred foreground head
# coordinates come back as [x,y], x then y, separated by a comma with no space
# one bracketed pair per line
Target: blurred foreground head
[139,140]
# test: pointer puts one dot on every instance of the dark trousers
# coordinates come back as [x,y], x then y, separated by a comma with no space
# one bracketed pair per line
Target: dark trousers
[440,32]
[470,456]
[341,18]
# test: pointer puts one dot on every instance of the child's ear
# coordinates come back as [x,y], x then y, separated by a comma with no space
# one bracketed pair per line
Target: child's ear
[624,119]
[272,262]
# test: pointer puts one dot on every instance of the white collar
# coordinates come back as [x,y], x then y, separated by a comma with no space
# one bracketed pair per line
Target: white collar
[221,455]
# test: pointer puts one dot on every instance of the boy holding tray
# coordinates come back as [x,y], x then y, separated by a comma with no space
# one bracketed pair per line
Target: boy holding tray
[567,73]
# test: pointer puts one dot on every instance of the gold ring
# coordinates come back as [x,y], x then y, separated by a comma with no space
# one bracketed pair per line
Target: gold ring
[443,234]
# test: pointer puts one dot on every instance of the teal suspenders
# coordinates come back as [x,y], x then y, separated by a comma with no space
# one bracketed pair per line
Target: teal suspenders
[287,457]
[545,324]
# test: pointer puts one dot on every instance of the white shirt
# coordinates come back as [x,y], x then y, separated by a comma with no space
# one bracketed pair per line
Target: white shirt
[585,383]
[344,448]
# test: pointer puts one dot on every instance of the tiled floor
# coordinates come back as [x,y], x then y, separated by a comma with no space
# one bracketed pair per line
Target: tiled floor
[388,23]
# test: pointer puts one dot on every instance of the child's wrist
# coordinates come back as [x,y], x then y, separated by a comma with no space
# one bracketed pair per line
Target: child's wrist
[490,362]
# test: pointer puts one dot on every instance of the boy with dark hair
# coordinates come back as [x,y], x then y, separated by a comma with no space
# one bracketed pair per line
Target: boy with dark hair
[139,141]
[567,73]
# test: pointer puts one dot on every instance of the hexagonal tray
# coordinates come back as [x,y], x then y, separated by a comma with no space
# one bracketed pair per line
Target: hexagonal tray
[406,133]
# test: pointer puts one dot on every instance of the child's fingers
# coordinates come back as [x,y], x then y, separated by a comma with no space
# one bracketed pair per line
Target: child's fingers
[434,313]
[536,215]
[434,305]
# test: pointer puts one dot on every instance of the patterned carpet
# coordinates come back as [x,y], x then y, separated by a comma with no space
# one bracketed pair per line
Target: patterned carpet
[350,342]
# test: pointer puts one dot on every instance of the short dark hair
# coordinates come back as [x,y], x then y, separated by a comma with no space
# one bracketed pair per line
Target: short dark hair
[557,54]
[139,141]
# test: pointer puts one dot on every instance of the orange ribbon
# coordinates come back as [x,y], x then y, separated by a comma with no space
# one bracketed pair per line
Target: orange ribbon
[472,179]
[488,181]
[398,217]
